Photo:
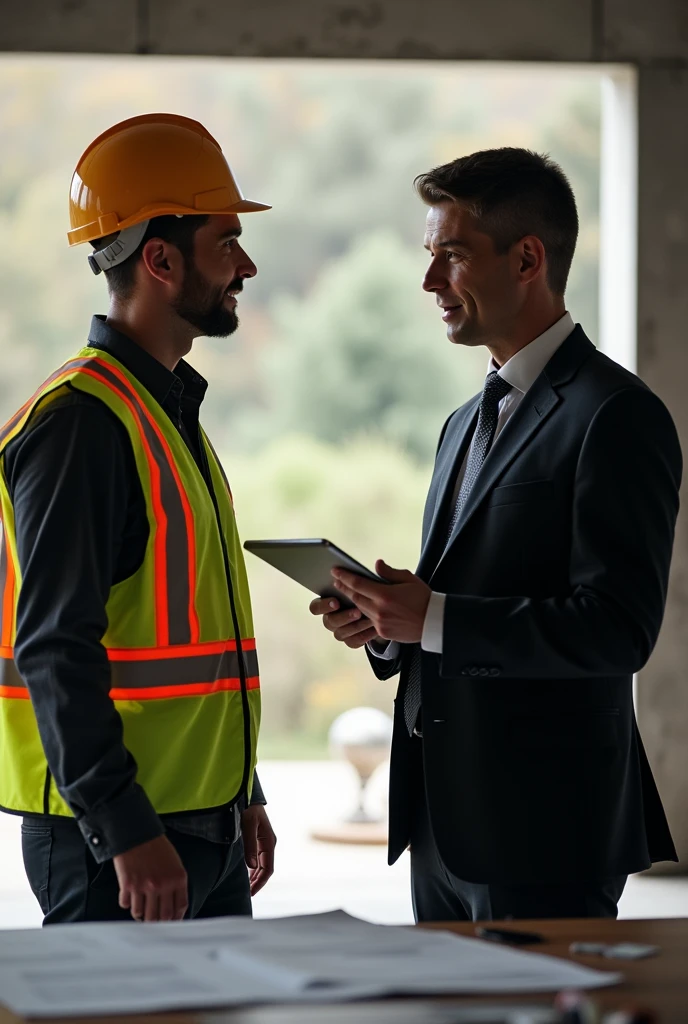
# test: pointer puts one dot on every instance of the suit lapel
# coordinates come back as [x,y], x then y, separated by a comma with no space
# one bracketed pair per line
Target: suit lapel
[532,412]
[449,460]
[535,408]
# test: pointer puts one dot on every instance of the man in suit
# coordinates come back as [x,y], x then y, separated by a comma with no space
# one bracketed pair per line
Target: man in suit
[518,776]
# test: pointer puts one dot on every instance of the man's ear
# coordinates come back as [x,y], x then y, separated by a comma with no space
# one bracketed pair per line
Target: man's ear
[162,260]
[532,258]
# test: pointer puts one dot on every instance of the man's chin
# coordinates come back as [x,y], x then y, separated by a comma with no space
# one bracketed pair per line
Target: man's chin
[215,326]
[224,330]
[461,334]
[458,337]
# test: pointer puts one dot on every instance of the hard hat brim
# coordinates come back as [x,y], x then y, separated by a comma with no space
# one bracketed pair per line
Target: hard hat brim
[102,227]
[246,206]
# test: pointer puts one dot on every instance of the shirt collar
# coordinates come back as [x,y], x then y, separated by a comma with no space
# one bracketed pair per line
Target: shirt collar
[163,384]
[524,368]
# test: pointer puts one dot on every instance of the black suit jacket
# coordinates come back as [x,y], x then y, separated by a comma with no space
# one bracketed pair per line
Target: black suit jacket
[556,576]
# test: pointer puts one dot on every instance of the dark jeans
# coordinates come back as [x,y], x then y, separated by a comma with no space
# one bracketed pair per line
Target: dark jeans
[70,885]
[438,895]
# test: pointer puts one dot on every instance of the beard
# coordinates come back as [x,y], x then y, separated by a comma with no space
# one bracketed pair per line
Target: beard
[203,305]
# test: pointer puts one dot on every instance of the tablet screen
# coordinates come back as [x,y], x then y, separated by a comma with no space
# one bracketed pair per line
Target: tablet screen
[310,561]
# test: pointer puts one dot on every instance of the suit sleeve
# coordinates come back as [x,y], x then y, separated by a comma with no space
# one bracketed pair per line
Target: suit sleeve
[625,504]
[385,668]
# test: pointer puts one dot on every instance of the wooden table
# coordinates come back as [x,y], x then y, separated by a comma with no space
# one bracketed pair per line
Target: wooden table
[659,983]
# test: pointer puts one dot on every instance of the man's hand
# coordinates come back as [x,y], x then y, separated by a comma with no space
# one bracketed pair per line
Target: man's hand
[348,625]
[259,846]
[152,881]
[395,612]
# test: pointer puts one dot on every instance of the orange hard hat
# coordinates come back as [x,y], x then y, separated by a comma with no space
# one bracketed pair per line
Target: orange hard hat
[149,166]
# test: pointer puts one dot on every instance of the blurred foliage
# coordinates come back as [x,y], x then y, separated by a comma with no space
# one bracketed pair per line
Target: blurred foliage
[354,356]
[327,403]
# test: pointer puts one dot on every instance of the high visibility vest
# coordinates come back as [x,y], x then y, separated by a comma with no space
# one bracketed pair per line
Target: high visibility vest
[184,671]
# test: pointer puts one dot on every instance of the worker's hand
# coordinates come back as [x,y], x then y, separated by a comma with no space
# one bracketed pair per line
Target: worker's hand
[396,612]
[259,846]
[347,624]
[152,881]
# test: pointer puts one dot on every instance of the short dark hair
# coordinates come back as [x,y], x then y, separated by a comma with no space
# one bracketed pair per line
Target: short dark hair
[513,193]
[179,231]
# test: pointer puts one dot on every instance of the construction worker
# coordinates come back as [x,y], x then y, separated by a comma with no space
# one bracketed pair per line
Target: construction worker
[129,690]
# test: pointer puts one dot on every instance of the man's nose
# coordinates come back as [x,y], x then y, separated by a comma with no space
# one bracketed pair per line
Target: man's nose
[433,281]
[247,267]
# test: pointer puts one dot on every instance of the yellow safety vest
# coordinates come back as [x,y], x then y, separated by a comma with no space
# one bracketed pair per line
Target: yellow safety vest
[184,671]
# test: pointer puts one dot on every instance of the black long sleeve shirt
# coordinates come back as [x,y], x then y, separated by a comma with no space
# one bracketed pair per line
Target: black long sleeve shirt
[81,526]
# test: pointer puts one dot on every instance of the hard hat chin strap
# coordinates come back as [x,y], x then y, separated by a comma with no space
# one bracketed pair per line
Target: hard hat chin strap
[126,243]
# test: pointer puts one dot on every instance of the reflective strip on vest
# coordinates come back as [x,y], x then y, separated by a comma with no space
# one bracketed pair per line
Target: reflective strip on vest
[11,683]
[153,673]
[176,620]
[7,595]
[17,423]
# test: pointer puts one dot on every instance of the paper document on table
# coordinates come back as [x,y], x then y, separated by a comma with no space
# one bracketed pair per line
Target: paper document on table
[336,949]
[53,947]
[86,970]
[144,982]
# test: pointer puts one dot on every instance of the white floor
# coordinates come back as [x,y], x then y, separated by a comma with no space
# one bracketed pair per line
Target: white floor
[312,876]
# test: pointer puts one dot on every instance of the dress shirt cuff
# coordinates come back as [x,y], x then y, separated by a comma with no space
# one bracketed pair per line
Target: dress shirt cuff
[434,624]
[386,649]
[257,796]
[120,825]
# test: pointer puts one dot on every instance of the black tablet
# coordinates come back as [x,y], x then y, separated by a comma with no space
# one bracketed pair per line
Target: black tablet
[310,563]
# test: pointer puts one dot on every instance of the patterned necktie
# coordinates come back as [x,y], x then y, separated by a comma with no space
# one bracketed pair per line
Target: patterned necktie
[493,392]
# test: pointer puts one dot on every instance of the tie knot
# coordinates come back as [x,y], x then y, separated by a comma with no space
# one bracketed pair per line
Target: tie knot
[495,387]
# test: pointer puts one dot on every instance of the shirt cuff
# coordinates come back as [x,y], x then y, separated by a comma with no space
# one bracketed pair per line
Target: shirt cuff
[120,825]
[257,796]
[434,624]
[386,649]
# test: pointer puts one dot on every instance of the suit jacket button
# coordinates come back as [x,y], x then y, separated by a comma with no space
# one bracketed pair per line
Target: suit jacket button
[483,672]
[473,670]
[495,671]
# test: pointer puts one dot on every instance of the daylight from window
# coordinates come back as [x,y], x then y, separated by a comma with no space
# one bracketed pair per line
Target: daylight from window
[326,405]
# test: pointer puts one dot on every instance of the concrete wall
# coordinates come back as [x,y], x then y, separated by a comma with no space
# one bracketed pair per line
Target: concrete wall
[662,695]
[558,30]
[654,36]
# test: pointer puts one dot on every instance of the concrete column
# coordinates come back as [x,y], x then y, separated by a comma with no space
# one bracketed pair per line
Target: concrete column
[662,692]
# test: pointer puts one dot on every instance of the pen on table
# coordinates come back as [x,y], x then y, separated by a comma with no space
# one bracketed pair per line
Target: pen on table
[509,936]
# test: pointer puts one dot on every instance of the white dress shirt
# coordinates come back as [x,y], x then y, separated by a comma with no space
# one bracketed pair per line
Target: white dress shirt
[521,371]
